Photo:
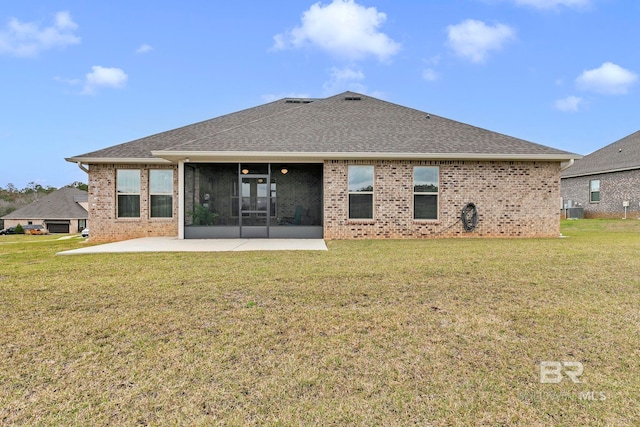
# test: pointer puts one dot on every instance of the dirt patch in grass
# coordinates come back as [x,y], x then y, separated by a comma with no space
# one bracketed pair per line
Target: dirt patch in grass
[433,332]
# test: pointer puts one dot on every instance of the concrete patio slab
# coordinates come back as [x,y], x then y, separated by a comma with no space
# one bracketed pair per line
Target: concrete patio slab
[172,244]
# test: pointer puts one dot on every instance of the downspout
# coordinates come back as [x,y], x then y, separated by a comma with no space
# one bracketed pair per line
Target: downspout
[85,170]
[82,168]
[571,162]
[181,199]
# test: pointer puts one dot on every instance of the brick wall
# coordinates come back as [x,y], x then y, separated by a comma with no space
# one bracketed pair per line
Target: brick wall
[103,222]
[514,199]
[615,188]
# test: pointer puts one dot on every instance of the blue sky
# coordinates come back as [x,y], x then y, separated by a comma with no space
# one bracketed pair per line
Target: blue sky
[82,75]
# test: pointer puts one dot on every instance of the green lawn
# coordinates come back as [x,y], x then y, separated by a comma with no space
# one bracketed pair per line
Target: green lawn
[431,332]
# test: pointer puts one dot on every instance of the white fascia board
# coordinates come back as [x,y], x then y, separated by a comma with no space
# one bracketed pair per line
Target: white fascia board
[232,156]
[601,172]
[126,160]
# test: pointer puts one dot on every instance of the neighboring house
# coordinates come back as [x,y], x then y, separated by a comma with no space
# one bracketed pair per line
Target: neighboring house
[62,211]
[603,182]
[345,167]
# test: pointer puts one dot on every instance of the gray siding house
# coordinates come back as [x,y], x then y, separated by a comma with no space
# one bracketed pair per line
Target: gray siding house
[345,167]
[606,183]
[62,211]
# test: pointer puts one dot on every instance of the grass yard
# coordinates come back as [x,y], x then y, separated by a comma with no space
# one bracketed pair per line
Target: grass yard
[432,332]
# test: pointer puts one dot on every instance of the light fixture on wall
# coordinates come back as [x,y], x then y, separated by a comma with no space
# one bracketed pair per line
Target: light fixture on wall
[284,170]
[245,171]
[186,160]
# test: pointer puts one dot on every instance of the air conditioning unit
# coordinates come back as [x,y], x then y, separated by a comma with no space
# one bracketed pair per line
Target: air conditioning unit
[576,212]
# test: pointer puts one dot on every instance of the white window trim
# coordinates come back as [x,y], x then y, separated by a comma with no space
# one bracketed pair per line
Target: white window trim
[591,191]
[161,194]
[424,193]
[372,193]
[139,194]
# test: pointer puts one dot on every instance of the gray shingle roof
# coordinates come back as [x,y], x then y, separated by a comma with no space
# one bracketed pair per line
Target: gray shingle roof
[345,123]
[623,154]
[142,148]
[60,204]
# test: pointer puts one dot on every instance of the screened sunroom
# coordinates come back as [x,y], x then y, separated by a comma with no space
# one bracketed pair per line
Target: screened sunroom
[253,200]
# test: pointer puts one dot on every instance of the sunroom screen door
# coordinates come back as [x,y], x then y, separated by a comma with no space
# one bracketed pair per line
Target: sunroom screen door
[254,206]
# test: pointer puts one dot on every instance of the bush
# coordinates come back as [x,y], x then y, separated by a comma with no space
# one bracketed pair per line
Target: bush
[202,216]
[19,229]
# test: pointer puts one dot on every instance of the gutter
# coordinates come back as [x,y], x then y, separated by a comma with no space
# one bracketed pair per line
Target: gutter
[571,162]
[601,172]
[171,156]
[204,156]
[82,167]
[119,160]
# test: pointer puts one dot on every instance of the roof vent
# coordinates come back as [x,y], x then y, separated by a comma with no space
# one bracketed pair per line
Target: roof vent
[298,101]
[352,98]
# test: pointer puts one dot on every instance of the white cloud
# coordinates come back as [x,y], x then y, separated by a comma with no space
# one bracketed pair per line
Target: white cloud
[28,39]
[342,28]
[103,77]
[70,82]
[64,21]
[609,79]
[144,48]
[474,39]
[568,104]
[343,79]
[346,74]
[553,4]
[430,75]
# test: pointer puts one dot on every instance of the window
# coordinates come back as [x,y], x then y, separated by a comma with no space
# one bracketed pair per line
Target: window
[161,193]
[361,192]
[594,191]
[128,189]
[425,192]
